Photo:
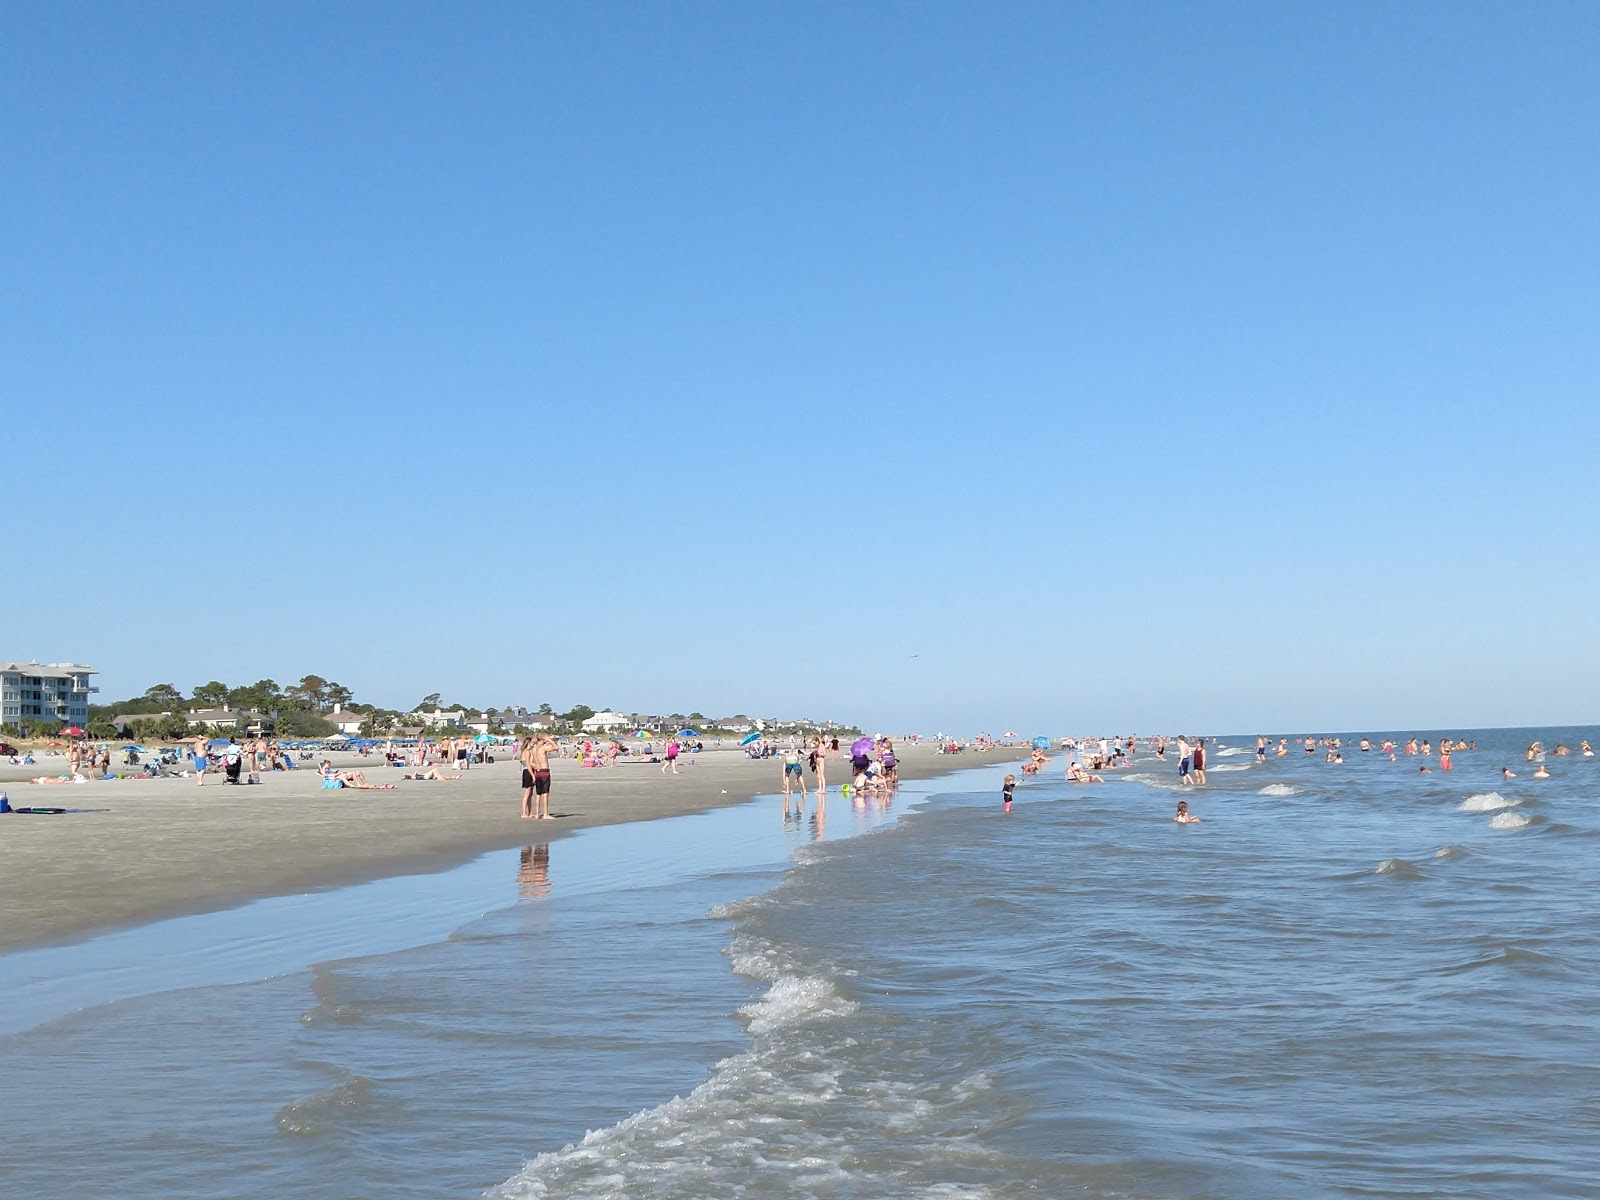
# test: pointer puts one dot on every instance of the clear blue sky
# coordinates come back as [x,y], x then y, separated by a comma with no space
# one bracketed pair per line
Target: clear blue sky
[1215,366]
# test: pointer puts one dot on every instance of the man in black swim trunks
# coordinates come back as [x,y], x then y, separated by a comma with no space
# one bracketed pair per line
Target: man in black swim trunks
[536,776]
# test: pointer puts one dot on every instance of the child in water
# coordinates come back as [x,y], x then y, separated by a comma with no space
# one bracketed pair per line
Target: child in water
[1005,792]
[1183,817]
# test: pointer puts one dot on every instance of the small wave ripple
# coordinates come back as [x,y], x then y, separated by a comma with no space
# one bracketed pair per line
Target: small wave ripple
[782,1118]
[1398,868]
[324,1111]
[1278,789]
[1508,820]
[1485,802]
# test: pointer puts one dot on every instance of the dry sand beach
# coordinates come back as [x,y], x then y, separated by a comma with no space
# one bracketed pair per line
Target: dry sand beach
[162,848]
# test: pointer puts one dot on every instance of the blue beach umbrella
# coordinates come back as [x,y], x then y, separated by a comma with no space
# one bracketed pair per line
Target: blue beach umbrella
[218,742]
[1041,743]
[688,733]
[750,737]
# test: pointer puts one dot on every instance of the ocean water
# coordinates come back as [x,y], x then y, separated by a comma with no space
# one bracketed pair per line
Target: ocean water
[1348,980]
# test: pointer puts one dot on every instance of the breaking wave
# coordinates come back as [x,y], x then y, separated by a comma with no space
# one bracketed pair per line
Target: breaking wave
[1486,802]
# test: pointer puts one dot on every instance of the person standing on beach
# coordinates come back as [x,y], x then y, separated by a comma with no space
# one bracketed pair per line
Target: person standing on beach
[819,763]
[1005,792]
[672,757]
[1183,761]
[536,777]
[200,759]
[1200,761]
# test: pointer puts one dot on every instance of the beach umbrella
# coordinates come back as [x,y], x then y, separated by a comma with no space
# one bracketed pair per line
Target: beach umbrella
[72,731]
[482,738]
[338,737]
[1041,743]
[135,749]
[862,745]
[217,742]
[688,733]
[750,737]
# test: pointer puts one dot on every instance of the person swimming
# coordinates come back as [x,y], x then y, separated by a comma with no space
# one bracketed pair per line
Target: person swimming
[1507,773]
[1542,773]
[1184,817]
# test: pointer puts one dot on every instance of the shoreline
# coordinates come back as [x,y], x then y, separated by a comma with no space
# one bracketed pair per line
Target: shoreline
[152,850]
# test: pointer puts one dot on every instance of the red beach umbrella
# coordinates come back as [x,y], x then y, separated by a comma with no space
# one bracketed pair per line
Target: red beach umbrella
[72,731]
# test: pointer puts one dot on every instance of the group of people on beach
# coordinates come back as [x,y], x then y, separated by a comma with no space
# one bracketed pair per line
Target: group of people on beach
[874,768]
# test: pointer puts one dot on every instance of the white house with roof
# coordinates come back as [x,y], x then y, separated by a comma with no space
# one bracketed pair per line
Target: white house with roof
[604,722]
[218,718]
[348,722]
[35,691]
[438,718]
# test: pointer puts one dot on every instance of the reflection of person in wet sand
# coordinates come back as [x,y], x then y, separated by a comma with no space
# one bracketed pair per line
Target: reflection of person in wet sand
[533,878]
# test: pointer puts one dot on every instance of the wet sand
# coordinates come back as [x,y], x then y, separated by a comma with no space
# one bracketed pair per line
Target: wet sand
[163,848]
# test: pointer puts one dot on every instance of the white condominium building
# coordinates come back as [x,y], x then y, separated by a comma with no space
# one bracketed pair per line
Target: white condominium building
[33,691]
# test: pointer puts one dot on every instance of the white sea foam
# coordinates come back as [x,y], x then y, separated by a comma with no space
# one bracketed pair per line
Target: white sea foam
[1164,783]
[1229,767]
[1451,851]
[794,998]
[1486,802]
[776,1120]
[1233,752]
[1508,820]
[1278,789]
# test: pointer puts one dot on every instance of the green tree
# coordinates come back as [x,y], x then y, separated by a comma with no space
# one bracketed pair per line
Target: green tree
[546,711]
[213,694]
[162,696]
[578,715]
[337,693]
[263,695]
[299,723]
[431,700]
[312,690]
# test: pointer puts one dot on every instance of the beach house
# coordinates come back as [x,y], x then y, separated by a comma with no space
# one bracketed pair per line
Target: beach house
[218,718]
[33,691]
[604,722]
[348,722]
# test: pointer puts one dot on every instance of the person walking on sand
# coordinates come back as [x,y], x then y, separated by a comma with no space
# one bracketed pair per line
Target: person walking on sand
[672,757]
[793,774]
